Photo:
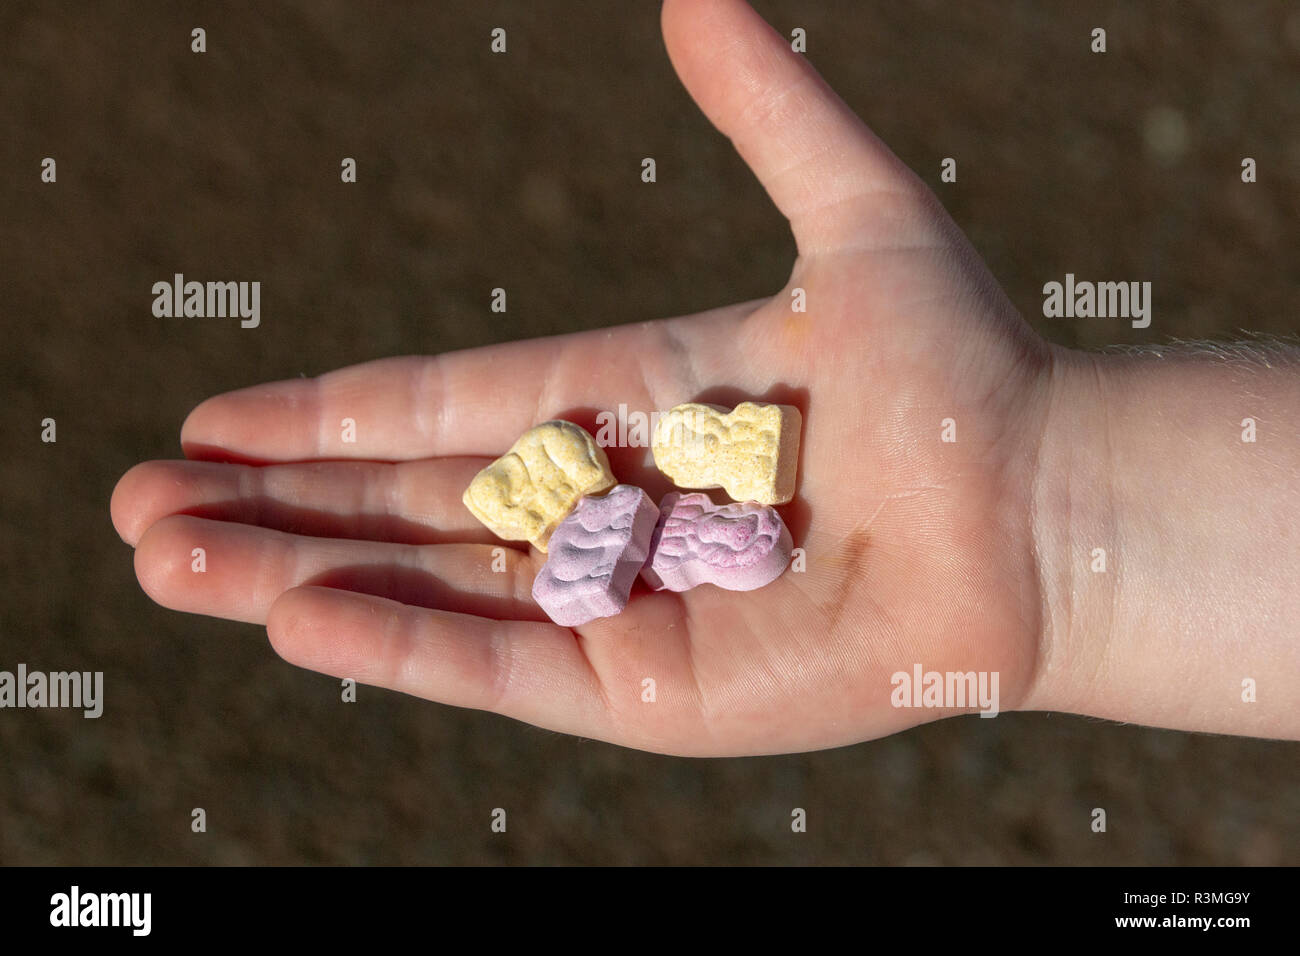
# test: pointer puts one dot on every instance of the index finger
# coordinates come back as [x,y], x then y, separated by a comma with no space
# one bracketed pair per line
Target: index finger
[472,402]
[392,409]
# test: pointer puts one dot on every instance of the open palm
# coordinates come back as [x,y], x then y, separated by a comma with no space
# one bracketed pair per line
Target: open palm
[363,563]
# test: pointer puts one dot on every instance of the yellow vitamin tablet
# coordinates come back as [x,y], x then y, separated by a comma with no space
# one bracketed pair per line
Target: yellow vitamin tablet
[526,492]
[750,452]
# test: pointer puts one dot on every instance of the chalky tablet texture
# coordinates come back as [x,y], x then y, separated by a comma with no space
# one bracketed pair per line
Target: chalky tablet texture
[526,492]
[595,555]
[738,546]
[750,452]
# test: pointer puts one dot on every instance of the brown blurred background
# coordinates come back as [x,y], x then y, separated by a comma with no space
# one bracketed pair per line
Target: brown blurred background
[523,171]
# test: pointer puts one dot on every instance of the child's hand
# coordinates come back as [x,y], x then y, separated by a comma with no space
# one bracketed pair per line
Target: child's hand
[918,551]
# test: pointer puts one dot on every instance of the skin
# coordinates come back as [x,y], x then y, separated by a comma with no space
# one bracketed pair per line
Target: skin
[959,556]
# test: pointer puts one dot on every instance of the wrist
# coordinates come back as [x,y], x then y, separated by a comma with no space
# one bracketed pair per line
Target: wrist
[1073,520]
[1163,511]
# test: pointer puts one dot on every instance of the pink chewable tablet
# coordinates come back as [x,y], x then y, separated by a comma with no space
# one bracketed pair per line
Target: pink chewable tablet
[594,556]
[739,546]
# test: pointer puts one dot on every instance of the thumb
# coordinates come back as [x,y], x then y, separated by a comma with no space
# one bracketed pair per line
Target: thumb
[827,173]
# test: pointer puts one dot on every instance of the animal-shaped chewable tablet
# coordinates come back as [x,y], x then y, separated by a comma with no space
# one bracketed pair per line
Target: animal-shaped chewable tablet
[739,546]
[594,556]
[750,452]
[526,492]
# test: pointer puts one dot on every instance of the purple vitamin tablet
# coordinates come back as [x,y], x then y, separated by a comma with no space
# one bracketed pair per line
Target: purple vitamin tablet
[594,556]
[739,546]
